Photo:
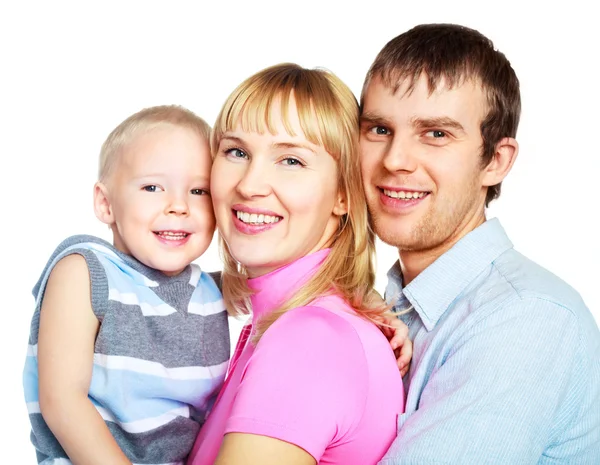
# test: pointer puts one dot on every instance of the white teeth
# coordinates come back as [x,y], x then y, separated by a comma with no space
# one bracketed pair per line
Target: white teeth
[404,194]
[171,236]
[256,218]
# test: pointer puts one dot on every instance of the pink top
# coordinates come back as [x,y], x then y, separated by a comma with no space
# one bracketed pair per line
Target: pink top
[321,377]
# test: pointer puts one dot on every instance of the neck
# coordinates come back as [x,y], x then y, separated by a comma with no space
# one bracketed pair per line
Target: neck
[413,262]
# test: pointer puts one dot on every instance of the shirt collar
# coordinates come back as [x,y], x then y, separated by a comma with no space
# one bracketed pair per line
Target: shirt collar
[273,289]
[438,285]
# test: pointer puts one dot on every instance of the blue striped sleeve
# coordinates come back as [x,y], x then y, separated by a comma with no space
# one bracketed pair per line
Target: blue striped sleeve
[507,382]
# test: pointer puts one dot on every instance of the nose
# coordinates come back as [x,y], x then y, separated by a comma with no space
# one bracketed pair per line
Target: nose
[255,181]
[399,155]
[178,205]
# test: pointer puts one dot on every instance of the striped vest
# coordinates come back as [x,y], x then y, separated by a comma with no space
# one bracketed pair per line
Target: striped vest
[160,355]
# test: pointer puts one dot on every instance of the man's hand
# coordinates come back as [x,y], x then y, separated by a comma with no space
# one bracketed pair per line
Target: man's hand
[397,333]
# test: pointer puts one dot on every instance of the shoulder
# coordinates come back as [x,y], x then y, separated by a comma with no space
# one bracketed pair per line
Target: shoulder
[312,350]
[68,280]
[82,242]
[75,263]
[82,245]
[71,267]
[318,323]
[521,302]
[516,288]
[314,337]
[538,293]
[529,280]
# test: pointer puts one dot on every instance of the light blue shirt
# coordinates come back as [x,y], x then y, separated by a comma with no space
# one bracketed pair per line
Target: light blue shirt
[506,362]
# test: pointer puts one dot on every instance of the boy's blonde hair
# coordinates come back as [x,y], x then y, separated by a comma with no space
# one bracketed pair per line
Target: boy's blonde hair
[143,121]
[328,114]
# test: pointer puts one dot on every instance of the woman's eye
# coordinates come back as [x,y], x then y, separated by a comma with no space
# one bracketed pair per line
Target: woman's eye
[292,162]
[236,153]
[199,192]
[152,188]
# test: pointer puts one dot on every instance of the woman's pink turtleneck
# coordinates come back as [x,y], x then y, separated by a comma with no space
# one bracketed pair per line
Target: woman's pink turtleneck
[321,377]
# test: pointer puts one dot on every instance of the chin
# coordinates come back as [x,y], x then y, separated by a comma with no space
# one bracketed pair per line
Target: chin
[404,240]
[257,265]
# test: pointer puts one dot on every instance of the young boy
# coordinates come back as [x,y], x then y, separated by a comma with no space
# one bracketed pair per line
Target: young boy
[129,342]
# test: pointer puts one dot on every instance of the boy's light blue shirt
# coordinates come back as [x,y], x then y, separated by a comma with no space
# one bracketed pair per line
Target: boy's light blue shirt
[506,363]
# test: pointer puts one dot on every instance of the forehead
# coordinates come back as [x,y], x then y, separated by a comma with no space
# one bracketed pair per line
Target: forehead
[166,147]
[465,102]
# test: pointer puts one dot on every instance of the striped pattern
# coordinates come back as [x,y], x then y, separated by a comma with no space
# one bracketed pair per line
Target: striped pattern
[154,389]
[506,362]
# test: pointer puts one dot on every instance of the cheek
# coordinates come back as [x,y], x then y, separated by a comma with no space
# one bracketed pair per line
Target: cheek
[368,163]
[317,199]
[136,209]
[206,215]
[223,180]
[454,181]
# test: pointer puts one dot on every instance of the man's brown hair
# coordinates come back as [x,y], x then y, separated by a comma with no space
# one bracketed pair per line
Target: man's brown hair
[455,54]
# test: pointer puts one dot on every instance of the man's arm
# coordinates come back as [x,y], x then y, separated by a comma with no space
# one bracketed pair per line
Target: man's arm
[495,396]
[66,339]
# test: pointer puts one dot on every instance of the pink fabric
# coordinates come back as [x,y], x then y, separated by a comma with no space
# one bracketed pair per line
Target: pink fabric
[321,378]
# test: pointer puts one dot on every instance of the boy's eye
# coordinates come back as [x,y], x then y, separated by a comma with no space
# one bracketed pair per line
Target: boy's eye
[152,188]
[199,192]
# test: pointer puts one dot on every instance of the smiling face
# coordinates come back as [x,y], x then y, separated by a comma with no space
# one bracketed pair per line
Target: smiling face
[157,199]
[421,163]
[276,196]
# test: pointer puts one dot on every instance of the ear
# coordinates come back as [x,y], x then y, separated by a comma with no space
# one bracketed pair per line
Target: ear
[340,207]
[102,207]
[502,162]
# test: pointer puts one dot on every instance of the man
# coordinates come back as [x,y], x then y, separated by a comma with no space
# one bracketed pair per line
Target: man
[506,363]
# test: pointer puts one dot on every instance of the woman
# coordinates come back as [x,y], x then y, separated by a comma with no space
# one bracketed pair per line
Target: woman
[313,380]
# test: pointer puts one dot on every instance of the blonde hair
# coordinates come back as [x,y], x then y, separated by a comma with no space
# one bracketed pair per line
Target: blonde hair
[328,114]
[143,121]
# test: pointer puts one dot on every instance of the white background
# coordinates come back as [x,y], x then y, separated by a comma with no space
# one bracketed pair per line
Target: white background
[71,72]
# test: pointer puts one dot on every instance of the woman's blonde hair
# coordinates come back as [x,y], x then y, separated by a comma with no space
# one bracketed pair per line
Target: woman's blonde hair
[328,114]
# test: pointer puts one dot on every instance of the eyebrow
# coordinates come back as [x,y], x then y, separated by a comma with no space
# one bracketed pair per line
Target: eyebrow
[160,176]
[375,119]
[416,122]
[237,140]
[293,145]
[439,122]
[276,145]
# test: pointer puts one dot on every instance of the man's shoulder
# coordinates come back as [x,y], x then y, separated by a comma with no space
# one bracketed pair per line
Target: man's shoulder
[525,280]
[518,290]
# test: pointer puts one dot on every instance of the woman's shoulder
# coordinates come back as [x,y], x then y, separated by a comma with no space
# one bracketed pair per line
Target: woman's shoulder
[325,317]
[331,321]
[319,345]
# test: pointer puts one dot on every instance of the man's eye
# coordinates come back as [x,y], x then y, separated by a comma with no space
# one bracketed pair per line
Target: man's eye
[380,130]
[436,134]
[151,188]
[199,192]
